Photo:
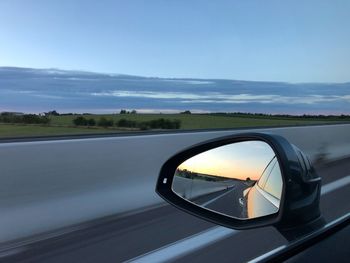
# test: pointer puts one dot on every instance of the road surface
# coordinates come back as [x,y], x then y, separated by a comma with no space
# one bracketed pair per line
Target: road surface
[50,185]
[166,234]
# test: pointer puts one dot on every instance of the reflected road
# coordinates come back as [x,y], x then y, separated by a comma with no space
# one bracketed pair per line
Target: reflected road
[225,202]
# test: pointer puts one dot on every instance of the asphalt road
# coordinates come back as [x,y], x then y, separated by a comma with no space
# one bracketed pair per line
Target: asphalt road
[50,185]
[168,234]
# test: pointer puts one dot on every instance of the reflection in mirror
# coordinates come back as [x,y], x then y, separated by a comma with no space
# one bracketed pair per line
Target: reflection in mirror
[242,180]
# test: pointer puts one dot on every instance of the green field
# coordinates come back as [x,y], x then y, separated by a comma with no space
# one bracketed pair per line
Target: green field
[15,130]
[198,121]
[63,125]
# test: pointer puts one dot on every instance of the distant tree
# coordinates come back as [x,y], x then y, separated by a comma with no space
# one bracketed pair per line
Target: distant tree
[31,119]
[133,112]
[152,124]
[164,124]
[53,113]
[144,125]
[126,123]
[176,124]
[103,122]
[80,121]
[122,122]
[186,112]
[122,111]
[44,120]
[91,122]
[23,118]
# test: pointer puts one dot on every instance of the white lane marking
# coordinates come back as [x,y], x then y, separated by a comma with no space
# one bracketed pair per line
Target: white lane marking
[266,255]
[216,198]
[185,246]
[335,185]
[203,239]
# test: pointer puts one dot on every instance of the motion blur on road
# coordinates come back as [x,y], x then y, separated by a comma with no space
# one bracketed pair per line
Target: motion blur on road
[89,201]
[166,234]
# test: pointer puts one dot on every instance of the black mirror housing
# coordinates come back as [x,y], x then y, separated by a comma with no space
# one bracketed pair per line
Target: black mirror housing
[300,194]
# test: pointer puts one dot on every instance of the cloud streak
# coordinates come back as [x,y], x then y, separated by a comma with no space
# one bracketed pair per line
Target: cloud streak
[215,97]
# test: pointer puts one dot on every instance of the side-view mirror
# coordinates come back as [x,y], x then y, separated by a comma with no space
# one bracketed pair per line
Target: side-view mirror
[244,181]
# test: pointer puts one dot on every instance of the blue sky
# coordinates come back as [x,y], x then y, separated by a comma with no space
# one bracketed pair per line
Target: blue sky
[294,41]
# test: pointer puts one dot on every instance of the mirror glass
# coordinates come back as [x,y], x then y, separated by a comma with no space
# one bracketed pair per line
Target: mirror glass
[241,180]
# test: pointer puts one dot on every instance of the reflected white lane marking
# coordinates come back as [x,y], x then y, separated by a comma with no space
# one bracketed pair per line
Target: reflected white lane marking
[216,198]
[212,235]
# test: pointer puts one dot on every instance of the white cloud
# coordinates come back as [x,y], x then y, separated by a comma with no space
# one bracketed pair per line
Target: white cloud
[215,97]
[46,96]
[193,82]
[31,93]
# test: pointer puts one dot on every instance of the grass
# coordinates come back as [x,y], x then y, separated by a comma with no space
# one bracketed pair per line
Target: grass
[14,130]
[63,125]
[200,121]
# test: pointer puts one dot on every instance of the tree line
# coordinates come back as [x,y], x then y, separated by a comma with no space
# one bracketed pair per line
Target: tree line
[125,123]
[8,117]
[266,115]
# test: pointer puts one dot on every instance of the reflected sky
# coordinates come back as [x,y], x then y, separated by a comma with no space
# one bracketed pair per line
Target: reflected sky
[238,160]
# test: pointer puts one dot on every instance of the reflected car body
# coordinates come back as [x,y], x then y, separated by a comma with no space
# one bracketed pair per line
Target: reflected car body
[264,197]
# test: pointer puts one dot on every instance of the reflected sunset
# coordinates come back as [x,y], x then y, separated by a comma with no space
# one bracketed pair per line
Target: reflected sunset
[242,180]
[240,160]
